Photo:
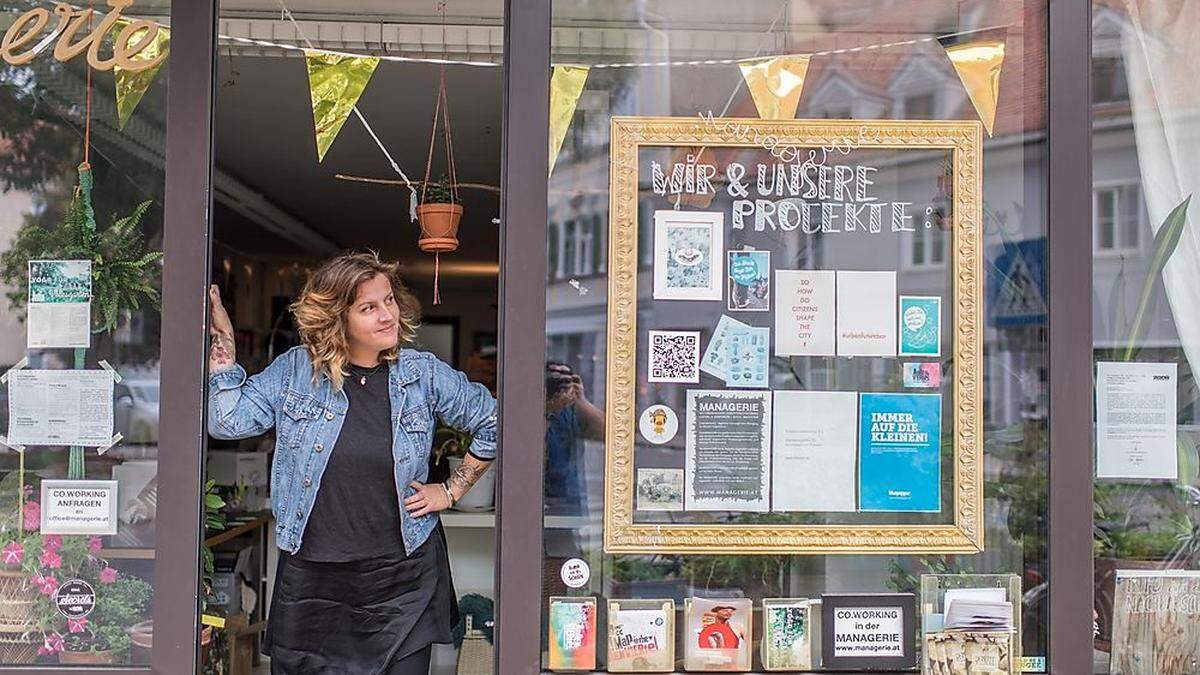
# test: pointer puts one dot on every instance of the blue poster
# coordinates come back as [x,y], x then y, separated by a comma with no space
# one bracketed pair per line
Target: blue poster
[899,452]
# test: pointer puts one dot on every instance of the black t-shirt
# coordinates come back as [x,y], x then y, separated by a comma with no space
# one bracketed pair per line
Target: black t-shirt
[357,512]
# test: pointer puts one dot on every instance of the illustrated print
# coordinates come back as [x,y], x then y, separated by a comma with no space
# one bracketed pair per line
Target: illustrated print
[688,246]
[920,326]
[749,281]
[658,424]
[660,489]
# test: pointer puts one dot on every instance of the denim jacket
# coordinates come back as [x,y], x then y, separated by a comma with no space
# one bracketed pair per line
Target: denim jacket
[308,417]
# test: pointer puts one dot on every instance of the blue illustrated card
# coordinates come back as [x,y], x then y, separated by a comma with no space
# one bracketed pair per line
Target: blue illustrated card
[749,281]
[899,452]
[747,356]
[920,326]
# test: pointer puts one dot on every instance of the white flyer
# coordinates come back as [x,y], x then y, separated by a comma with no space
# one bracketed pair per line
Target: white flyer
[866,313]
[59,312]
[60,407]
[804,313]
[79,507]
[1135,421]
[814,449]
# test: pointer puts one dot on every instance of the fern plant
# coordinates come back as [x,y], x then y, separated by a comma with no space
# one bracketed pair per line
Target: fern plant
[125,276]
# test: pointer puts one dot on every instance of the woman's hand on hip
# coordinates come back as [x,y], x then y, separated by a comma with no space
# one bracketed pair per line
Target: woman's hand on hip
[429,498]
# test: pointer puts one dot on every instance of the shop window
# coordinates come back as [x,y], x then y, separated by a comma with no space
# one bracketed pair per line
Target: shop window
[82,190]
[1145,346]
[690,524]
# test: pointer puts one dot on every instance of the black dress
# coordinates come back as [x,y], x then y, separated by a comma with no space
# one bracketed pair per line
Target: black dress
[351,601]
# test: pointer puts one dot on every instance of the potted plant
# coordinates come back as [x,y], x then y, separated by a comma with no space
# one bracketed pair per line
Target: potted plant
[439,214]
[121,602]
[18,596]
[451,445]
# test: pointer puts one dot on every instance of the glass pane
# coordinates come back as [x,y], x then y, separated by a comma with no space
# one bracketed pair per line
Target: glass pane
[680,60]
[1147,491]
[81,189]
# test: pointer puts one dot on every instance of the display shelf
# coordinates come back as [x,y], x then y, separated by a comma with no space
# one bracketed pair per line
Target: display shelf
[127,553]
[238,530]
[488,520]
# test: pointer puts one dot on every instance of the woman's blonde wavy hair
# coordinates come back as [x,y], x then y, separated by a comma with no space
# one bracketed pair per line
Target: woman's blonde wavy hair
[325,302]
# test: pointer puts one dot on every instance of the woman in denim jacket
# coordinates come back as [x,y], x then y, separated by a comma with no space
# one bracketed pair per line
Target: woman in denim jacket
[363,583]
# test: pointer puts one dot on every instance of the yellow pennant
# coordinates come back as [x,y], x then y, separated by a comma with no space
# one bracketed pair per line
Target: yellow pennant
[132,84]
[978,65]
[335,82]
[775,84]
[566,84]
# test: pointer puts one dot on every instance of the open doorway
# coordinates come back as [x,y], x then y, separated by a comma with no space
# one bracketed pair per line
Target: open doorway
[280,211]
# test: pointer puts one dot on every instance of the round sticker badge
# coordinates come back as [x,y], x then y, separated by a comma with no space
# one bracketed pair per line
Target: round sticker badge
[575,573]
[658,424]
[914,318]
[75,599]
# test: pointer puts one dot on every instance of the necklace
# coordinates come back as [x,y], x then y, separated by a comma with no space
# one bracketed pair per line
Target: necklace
[363,373]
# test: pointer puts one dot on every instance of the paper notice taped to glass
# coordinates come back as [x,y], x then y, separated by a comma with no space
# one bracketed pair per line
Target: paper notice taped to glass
[60,407]
[1135,421]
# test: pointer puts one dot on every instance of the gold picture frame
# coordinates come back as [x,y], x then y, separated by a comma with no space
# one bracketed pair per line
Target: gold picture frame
[964,140]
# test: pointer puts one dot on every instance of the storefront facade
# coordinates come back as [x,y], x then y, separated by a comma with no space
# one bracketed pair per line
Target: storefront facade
[680,471]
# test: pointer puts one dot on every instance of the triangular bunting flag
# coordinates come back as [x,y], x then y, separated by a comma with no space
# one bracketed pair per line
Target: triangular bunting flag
[335,82]
[131,85]
[566,84]
[978,65]
[775,84]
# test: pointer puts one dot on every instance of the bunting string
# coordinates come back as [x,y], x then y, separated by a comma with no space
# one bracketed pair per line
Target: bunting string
[619,64]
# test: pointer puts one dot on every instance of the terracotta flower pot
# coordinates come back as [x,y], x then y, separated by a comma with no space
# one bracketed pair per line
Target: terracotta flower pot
[439,227]
[106,657]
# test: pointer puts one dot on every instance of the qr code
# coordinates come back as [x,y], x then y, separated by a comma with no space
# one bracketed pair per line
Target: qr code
[674,356]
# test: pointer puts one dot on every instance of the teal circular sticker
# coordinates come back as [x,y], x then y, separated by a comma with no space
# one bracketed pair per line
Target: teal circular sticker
[743,270]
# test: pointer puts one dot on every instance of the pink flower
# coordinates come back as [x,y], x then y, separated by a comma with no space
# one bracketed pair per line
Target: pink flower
[52,542]
[52,644]
[94,545]
[108,575]
[13,553]
[33,516]
[77,625]
[49,584]
[51,559]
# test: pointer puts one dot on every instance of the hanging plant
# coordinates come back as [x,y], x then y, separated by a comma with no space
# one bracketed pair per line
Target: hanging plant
[125,276]
[439,214]
[439,219]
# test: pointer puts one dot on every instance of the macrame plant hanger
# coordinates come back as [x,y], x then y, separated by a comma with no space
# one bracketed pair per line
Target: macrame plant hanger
[76,467]
[441,238]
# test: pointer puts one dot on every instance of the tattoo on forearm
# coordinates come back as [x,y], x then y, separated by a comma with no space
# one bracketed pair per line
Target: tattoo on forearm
[221,352]
[465,476]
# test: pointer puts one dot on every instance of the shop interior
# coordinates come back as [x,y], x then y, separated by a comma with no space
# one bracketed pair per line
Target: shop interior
[279,211]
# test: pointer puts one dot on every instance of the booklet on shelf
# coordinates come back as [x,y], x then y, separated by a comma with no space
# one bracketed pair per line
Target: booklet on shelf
[641,636]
